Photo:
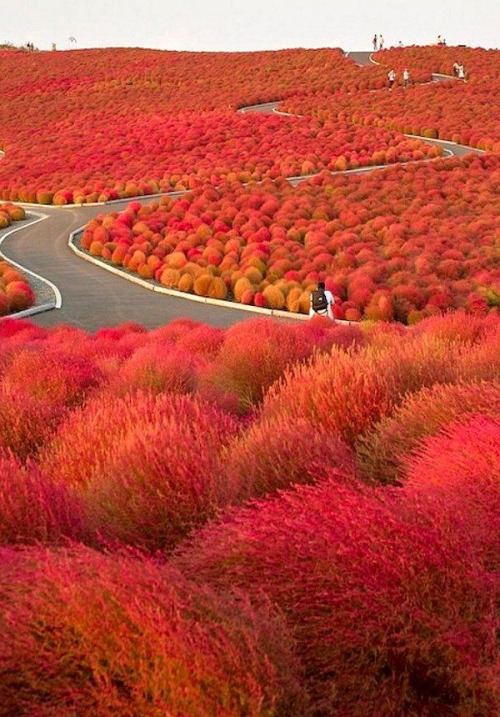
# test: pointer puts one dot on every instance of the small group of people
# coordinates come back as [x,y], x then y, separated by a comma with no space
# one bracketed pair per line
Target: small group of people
[379,43]
[459,70]
[30,47]
[391,76]
[441,40]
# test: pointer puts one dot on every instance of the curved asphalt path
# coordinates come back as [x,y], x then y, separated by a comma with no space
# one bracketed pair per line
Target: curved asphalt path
[92,297]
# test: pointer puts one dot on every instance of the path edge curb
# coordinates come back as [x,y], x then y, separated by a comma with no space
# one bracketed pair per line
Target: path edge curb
[184,295]
[48,306]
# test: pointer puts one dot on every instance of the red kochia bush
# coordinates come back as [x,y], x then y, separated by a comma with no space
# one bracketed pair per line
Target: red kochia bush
[276,454]
[33,508]
[64,380]
[254,354]
[460,469]
[26,423]
[157,367]
[82,446]
[89,634]
[165,475]
[390,617]
[380,454]
[346,392]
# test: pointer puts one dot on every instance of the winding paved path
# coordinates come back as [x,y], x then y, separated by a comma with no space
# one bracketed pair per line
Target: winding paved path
[93,298]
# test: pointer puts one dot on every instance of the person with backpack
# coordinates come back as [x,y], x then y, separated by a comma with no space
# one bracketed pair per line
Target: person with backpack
[321,302]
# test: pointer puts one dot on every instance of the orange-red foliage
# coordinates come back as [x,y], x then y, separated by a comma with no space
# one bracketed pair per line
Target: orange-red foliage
[97,634]
[401,245]
[385,611]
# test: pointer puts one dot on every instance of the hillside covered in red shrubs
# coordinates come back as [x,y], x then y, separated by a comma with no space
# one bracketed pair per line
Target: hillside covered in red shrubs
[92,125]
[401,244]
[464,112]
[273,519]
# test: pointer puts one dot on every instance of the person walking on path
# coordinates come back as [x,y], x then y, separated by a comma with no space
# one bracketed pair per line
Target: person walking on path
[374,43]
[461,72]
[321,302]
[381,43]
[392,78]
[406,77]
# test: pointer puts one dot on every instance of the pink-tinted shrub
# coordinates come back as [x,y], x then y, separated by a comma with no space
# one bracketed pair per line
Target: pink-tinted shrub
[381,453]
[202,340]
[343,391]
[26,423]
[389,616]
[84,633]
[276,454]
[175,330]
[347,392]
[459,470]
[253,356]
[34,509]
[164,476]
[59,377]
[322,334]
[482,360]
[20,330]
[456,326]
[84,442]
[157,367]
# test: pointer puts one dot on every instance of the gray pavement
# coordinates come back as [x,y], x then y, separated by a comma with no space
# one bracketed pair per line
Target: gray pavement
[92,297]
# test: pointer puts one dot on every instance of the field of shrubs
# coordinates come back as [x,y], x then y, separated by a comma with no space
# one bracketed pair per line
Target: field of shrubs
[273,519]
[94,125]
[278,519]
[16,293]
[467,113]
[400,244]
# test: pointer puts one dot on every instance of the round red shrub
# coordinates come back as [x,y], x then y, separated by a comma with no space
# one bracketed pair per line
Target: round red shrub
[276,454]
[457,472]
[33,509]
[381,454]
[163,475]
[94,634]
[384,611]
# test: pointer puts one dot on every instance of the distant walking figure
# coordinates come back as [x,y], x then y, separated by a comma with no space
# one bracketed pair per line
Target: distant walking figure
[392,78]
[400,43]
[406,78]
[321,302]
[456,67]
[381,43]
[374,43]
[461,72]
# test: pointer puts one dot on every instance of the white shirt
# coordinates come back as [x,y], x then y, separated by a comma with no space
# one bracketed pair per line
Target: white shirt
[329,297]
